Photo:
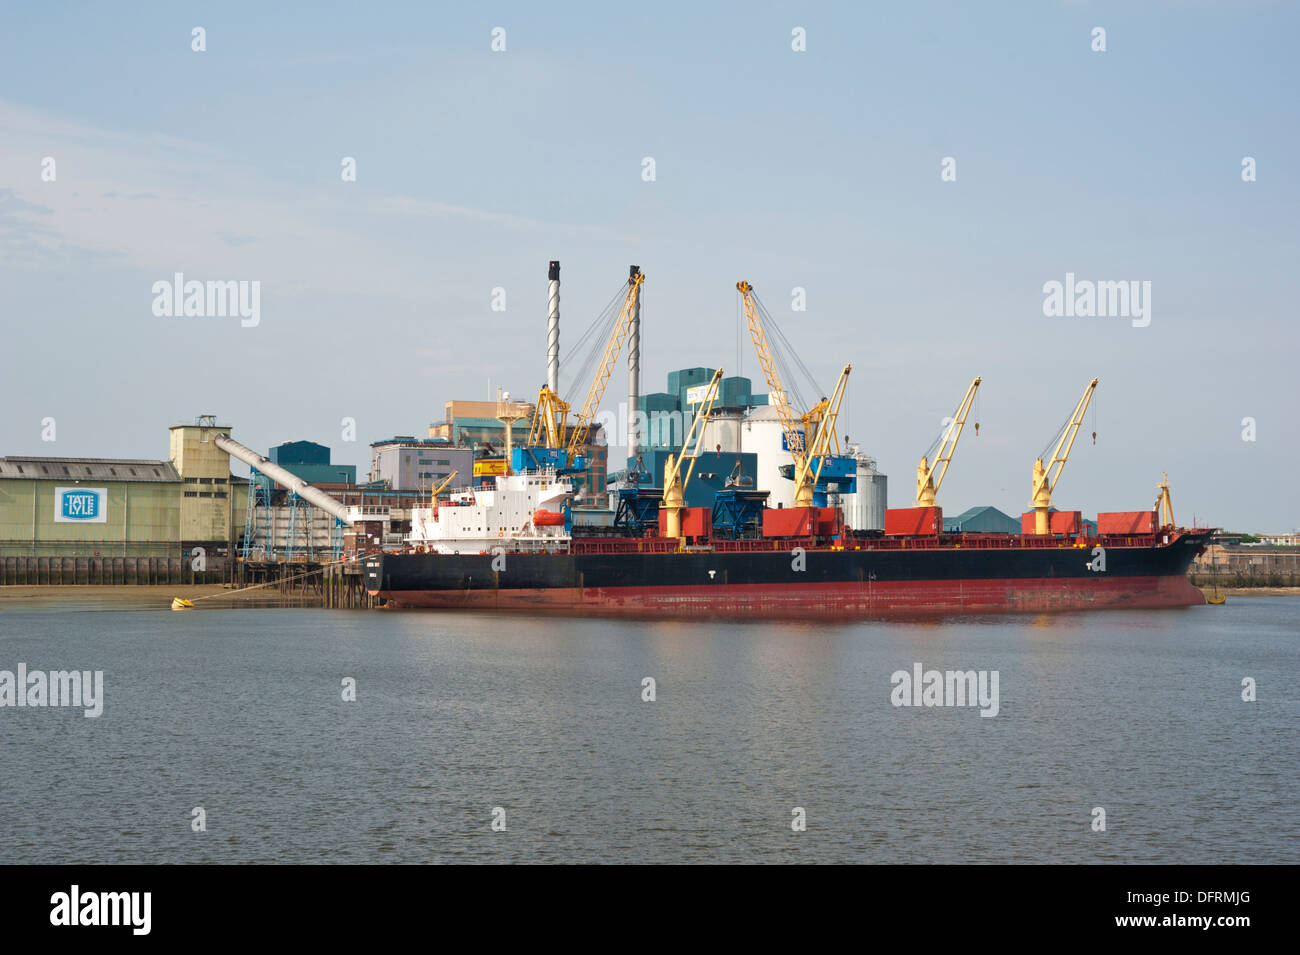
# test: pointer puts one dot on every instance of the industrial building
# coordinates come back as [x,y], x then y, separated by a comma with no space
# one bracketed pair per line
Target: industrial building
[468,424]
[1248,565]
[278,524]
[1291,539]
[482,426]
[407,463]
[289,531]
[89,506]
[210,502]
[311,462]
[67,507]
[668,413]
[742,429]
[75,516]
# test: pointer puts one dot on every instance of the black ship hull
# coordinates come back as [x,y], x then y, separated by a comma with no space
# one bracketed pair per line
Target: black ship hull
[918,578]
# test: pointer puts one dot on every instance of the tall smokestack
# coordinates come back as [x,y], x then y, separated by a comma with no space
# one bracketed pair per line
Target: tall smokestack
[553,330]
[633,369]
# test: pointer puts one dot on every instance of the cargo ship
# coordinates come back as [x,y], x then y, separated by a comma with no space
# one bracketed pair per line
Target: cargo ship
[514,547]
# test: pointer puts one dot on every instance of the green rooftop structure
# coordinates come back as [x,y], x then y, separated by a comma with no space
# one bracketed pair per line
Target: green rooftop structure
[981,520]
[309,461]
[669,412]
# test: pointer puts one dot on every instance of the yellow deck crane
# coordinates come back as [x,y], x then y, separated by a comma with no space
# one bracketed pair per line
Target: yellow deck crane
[825,442]
[622,325]
[674,498]
[1163,503]
[550,426]
[549,420]
[1044,480]
[434,492]
[929,477]
[822,416]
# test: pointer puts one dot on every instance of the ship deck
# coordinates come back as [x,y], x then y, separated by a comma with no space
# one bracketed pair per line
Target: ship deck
[668,545]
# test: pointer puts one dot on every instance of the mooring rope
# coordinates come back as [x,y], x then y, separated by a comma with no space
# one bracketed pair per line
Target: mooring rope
[275,583]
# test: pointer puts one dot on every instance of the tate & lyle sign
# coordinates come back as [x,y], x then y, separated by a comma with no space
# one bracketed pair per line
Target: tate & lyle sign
[80,505]
[701,393]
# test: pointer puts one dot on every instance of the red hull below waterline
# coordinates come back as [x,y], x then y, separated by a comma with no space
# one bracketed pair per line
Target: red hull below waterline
[826,599]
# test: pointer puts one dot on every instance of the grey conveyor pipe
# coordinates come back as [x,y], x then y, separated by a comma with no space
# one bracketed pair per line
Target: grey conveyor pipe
[285,479]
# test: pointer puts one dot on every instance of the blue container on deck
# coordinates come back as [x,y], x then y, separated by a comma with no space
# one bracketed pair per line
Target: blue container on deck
[840,471]
[540,459]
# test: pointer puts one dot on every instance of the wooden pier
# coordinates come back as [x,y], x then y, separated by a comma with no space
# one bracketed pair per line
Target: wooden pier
[330,585]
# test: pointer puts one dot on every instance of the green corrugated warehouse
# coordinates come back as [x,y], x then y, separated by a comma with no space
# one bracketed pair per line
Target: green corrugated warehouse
[87,507]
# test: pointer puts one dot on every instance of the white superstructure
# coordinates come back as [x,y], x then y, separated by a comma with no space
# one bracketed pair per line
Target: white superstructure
[523,512]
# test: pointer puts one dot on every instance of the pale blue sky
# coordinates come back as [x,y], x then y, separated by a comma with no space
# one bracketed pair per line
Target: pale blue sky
[817,169]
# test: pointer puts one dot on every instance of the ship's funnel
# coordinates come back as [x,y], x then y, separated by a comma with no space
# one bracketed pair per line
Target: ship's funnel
[553,330]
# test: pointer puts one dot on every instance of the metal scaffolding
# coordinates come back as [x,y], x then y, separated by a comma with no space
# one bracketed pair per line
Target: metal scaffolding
[259,496]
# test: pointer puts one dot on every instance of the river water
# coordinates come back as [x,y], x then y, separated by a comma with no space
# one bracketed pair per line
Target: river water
[240,712]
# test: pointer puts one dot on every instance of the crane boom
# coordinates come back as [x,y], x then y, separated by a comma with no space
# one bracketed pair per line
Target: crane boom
[929,477]
[795,429]
[821,418]
[434,492]
[674,498]
[794,435]
[1044,482]
[549,420]
[824,441]
[622,325]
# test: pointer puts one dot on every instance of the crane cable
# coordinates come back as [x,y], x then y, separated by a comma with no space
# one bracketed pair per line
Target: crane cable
[275,583]
[1056,439]
[946,430]
[848,413]
[739,367]
[1070,420]
[783,353]
[603,323]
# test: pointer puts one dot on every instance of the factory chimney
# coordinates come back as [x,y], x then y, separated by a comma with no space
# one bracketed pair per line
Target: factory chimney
[633,370]
[553,330]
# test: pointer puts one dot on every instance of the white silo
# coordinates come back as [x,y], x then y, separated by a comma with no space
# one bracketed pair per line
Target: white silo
[864,509]
[762,436]
[723,432]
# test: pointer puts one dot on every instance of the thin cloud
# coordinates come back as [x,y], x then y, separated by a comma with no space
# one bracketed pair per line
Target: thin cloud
[406,205]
